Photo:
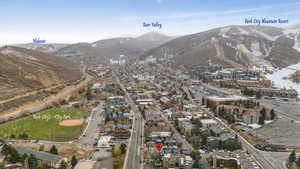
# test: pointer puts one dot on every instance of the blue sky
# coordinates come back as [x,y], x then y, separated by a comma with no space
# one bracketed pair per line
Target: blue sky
[90,20]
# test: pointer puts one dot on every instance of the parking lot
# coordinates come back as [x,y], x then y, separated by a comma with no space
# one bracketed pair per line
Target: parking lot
[282,132]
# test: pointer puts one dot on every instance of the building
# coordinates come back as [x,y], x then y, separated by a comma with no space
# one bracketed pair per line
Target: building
[214,101]
[240,84]
[250,116]
[44,157]
[208,122]
[271,92]
[104,142]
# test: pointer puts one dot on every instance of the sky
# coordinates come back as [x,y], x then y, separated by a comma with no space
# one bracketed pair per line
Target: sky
[71,21]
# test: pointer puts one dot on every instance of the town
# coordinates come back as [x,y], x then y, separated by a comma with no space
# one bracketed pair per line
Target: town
[140,115]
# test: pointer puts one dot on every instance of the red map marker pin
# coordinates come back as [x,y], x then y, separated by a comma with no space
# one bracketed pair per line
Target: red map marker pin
[159,147]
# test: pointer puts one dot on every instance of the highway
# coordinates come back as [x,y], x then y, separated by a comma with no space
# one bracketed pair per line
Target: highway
[133,154]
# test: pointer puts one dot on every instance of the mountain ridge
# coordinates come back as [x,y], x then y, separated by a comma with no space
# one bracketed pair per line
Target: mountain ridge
[263,46]
[23,70]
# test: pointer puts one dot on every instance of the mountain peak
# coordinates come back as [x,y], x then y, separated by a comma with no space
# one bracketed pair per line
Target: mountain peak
[154,36]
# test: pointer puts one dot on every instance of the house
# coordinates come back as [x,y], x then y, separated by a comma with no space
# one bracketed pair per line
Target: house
[44,157]
[250,116]
[186,128]
[190,107]
[216,130]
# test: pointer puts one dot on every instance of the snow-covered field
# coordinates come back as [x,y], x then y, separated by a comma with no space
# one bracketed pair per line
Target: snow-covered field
[278,77]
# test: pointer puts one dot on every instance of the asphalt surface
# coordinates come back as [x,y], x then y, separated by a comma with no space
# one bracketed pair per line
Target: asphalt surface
[92,128]
[133,155]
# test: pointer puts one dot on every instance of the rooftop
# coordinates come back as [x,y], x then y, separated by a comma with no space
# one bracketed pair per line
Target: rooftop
[42,155]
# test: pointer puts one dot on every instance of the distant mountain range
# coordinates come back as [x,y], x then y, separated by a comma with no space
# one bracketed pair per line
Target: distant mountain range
[23,70]
[103,50]
[230,46]
[233,46]
[46,48]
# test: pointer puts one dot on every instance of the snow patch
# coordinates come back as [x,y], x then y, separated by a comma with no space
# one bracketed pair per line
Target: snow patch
[269,37]
[225,36]
[255,49]
[268,121]
[9,51]
[278,77]
[254,126]
[255,56]
[243,31]
[297,42]
[223,32]
[94,45]
[267,50]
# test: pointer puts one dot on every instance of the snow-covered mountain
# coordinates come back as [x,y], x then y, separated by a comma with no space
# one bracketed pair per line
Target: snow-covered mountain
[103,50]
[234,46]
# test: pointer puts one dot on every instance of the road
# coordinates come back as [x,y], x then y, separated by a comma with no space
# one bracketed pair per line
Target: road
[133,154]
[96,117]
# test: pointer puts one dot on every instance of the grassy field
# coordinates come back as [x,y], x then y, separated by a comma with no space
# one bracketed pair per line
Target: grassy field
[45,125]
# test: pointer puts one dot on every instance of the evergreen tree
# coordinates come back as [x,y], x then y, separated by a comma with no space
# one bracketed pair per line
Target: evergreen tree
[292,157]
[197,164]
[53,150]
[272,114]
[262,117]
[298,161]
[261,120]
[258,95]
[74,161]
[32,162]
[123,148]
[11,154]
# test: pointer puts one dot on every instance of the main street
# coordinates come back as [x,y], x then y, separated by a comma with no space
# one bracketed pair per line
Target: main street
[133,154]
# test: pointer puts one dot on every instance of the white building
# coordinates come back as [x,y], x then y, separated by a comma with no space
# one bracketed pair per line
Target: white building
[104,142]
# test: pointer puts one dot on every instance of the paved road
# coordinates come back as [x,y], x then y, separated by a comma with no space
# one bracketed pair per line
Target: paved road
[133,155]
[96,117]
